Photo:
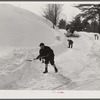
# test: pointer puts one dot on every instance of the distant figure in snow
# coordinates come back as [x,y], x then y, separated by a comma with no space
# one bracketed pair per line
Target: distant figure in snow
[47,54]
[96,36]
[70,43]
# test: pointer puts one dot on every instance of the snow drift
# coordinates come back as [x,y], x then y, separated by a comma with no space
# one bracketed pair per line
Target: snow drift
[17,73]
[23,31]
[21,28]
[78,67]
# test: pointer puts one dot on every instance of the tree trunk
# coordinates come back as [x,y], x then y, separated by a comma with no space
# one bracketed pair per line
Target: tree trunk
[53,26]
[99,24]
[55,19]
[99,21]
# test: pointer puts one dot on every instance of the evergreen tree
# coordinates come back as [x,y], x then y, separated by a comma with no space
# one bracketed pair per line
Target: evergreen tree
[75,25]
[62,24]
[90,12]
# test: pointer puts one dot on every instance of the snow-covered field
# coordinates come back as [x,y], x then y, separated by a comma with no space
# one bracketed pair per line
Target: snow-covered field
[20,34]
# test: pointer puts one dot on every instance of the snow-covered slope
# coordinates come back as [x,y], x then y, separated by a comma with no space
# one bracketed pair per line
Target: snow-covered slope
[17,73]
[21,28]
[81,64]
[78,68]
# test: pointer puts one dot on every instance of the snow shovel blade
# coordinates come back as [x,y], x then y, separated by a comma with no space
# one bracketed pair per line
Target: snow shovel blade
[28,60]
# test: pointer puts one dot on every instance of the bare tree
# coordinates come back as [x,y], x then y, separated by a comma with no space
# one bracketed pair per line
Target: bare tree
[52,12]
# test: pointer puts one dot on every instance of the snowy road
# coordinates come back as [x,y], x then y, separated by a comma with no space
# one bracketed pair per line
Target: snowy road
[82,64]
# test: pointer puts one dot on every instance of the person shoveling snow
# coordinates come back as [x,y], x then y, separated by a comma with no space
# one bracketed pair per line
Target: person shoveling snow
[47,54]
[70,43]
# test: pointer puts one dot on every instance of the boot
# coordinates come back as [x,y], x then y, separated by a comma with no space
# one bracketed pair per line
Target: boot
[45,72]
[71,45]
[56,70]
[43,61]
[46,69]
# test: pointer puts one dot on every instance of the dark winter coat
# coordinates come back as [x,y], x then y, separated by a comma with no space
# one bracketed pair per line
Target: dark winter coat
[46,52]
[70,41]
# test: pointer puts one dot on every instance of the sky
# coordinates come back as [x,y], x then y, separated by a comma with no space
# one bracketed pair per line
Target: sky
[68,11]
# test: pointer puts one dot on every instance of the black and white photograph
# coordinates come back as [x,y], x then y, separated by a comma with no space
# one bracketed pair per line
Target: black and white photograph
[50,46]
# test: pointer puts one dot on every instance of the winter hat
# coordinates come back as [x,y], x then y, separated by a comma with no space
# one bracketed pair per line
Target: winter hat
[41,44]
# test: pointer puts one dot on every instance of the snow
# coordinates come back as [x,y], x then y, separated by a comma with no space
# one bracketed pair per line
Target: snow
[82,63]
[79,67]
[21,28]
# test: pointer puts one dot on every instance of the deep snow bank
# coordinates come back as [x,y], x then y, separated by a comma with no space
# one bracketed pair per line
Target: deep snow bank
[78,67]
[21,28]
[17,73]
